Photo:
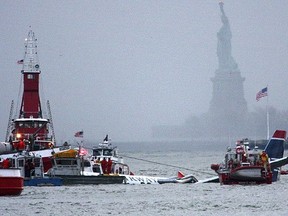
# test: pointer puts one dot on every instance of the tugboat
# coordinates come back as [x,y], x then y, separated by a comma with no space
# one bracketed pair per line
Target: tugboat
[74,167]
[30,131]
[11,181]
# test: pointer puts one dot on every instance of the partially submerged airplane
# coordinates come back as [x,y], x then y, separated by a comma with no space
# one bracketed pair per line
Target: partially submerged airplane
[139,179]
[244,166]
[105,153]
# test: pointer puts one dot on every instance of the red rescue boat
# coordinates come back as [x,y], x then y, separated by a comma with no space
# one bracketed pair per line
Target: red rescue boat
[11,181]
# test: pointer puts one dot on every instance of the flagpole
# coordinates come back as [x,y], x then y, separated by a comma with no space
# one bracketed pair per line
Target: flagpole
[267,116]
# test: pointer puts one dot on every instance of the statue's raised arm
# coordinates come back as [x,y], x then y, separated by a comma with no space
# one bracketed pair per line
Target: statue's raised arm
[221,8]
[224,35]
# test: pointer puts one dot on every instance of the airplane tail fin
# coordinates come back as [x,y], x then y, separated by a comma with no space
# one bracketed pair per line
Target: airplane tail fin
[180,174]
[275,146]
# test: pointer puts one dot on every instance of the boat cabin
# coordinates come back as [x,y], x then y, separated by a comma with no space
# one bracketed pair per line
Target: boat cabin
[70,163]
[31,134]
[106,156]
[30,165]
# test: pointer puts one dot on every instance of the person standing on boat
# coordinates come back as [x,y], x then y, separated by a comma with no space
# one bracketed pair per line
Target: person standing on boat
[109,166]
[21,145]
[264,159]
[6,163]
[104,164]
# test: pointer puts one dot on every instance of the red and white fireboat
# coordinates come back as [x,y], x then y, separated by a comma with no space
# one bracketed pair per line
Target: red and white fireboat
[11,181]
[244,166]
[30,131]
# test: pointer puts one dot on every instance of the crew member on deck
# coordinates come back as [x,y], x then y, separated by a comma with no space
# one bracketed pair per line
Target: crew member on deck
[104,165]
[6,163]
[21,145]
[109,166]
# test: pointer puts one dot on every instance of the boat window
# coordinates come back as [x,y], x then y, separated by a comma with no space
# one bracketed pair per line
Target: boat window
[107,153]
[65,162]
[96,153]
[35,125]
[96,168]
[12,162]
[28,125]
[30,76]
[87,163]
[37,162]
[21,163]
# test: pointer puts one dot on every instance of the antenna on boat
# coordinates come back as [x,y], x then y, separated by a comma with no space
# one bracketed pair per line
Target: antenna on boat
[51,121]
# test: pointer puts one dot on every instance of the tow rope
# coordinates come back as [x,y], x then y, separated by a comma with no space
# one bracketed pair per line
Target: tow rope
[169,165]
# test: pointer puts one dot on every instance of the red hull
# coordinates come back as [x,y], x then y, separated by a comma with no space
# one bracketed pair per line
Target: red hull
[11,185]
[246,175]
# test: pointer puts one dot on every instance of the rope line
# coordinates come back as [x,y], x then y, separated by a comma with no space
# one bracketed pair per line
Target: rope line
[169,165]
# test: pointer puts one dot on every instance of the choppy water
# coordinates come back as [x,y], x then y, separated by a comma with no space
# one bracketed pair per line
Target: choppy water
[167,199]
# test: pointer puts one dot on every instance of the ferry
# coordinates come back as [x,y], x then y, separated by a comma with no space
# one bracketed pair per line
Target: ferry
[28,129]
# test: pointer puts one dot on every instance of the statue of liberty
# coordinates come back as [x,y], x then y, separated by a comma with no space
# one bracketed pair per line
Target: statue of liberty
[224,35]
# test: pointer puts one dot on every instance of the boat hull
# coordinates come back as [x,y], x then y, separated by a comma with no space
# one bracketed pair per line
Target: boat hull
[11,185]
[95,180]
[245,175]
[46,181]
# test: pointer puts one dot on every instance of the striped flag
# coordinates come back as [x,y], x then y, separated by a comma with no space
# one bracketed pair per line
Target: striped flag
[262,93]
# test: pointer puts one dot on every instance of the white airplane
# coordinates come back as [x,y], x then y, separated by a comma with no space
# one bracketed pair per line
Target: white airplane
[139,179]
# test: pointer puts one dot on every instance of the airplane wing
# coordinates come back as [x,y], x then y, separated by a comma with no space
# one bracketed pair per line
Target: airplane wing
[214,179]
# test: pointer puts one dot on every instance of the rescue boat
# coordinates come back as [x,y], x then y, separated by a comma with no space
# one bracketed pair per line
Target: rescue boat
[244,166]
[11,181]
[74,167]
[106,156]
[32,170]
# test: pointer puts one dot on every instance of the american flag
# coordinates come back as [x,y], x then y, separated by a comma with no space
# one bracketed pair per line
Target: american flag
[79,134]
[262,93]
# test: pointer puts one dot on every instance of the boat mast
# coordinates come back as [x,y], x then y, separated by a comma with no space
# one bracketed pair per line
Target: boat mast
[9,121]
[30,105]
[51,121]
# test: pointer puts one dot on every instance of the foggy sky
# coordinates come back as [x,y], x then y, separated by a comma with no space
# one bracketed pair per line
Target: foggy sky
[121,67]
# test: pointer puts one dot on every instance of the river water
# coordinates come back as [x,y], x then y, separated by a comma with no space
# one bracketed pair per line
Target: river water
[166,199]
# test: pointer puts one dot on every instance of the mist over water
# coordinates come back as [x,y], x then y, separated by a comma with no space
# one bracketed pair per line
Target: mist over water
[123,68]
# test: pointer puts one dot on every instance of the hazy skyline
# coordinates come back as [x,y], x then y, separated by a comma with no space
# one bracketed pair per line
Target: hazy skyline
[121,67]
